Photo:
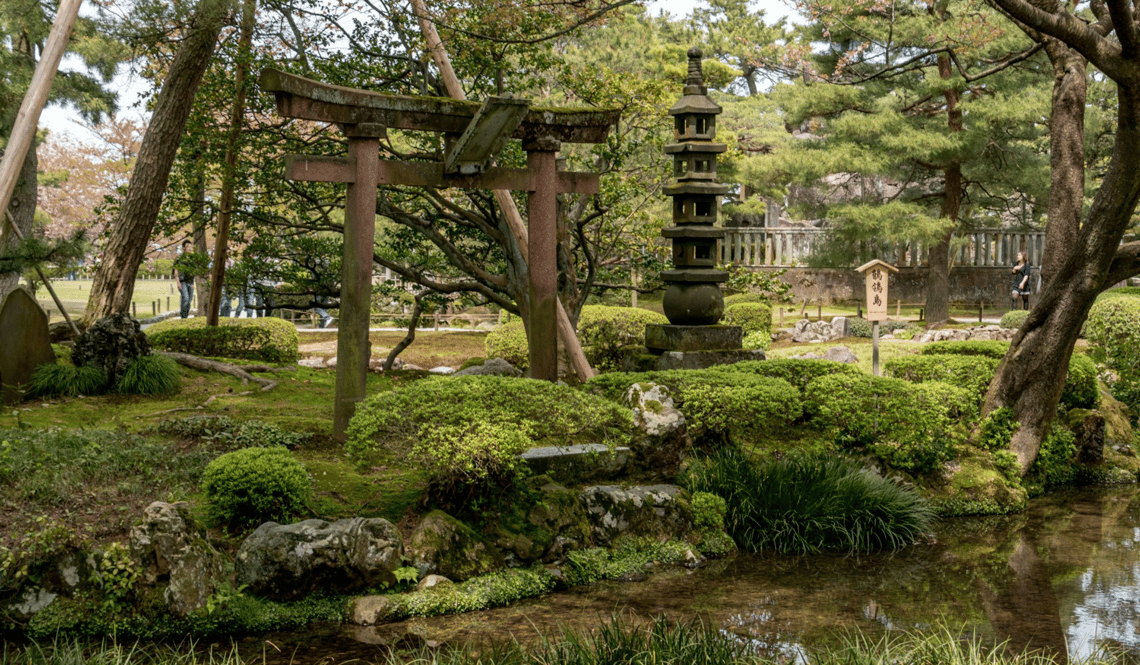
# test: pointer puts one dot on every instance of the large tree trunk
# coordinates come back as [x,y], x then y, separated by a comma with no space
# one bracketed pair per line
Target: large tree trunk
[1079,260]
[23,210]
[115,279]
[938,256]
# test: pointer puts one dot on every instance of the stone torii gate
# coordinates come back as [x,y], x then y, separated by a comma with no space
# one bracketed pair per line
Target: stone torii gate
[476,133]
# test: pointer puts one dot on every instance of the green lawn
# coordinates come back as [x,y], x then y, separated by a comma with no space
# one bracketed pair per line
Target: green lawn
[74,295]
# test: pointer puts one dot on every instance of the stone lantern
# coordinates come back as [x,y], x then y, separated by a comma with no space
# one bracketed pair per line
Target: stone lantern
[693,296]
[693,301]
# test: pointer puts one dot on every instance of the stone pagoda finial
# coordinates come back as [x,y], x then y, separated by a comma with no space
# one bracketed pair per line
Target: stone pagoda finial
[695,81]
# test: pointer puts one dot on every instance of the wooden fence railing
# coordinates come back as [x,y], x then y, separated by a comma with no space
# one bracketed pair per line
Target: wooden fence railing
[790,247]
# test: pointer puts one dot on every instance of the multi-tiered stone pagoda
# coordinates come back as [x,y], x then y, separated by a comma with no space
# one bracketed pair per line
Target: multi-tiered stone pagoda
[693,301]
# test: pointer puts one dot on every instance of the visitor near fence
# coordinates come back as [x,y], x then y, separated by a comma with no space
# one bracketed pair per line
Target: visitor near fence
[1020,282]
[185,274]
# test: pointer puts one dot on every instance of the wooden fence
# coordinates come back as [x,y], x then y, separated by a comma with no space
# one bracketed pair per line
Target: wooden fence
[788,247]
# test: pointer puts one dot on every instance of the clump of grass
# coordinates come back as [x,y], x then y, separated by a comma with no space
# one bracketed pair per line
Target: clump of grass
[150,375]
[59,379]
[808,503]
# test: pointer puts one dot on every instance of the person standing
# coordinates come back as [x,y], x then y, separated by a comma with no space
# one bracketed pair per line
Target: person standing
[1021,288]
[184,269]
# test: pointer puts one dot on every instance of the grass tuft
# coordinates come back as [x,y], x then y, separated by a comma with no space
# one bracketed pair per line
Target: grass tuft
[150,375]
[808,503]
[57,379]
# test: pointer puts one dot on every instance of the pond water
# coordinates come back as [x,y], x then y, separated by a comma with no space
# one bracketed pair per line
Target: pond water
[1063,576]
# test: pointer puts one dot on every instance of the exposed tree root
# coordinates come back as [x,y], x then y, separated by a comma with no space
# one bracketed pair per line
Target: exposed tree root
[215,366]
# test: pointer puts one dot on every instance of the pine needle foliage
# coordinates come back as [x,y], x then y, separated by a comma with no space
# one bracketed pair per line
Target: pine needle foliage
[810,503]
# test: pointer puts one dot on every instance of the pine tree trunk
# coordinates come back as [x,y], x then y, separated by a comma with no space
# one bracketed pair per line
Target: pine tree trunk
[938,256]
[130,233]
[1079,260]
[23,210]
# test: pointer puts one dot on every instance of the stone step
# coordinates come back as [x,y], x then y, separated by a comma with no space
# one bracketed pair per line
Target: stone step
[578,463]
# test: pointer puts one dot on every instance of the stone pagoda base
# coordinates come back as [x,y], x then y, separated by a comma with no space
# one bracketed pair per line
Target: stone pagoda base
[662,338]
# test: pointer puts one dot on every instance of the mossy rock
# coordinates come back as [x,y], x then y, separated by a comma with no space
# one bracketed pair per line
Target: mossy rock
[542,525]
[975,486]
[445,546]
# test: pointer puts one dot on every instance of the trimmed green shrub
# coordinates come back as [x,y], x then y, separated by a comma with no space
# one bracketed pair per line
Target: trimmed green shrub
[508,342]
[990,348]
[971,372]
[604,331]
[715,413]
[150,375]
[1113,328]
[716,404]
[810,503]
[548,414]
[1082,389]
[255,485]
[58,379]
[476,453]
[907,425]
[265,338]
[797,371]
[1013,318]
[752,317]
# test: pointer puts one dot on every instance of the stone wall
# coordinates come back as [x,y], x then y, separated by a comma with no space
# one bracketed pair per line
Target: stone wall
[967,285]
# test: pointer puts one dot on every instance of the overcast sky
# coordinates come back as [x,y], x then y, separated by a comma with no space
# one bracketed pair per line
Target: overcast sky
[62,119]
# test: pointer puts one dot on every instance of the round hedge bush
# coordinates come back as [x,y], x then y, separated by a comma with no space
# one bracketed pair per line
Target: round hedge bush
[508,342]
[254,485]
[604,331]
[1013,318]
[752,317]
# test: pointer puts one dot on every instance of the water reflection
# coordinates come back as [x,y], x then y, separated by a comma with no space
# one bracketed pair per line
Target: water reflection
[1063,577]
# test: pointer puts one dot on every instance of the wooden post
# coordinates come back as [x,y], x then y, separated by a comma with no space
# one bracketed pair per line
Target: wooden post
[542,246]
[819,309]
[503,197]
[875,348]
[981,304]
[134,310]
[352,345]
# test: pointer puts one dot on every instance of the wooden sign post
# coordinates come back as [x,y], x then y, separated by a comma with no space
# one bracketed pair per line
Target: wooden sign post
[875,273]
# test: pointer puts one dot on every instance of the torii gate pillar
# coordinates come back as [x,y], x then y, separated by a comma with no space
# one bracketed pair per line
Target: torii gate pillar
[542,245]
[353,347]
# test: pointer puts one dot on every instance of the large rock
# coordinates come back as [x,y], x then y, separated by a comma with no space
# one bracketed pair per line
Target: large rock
[111,344]
[655,511]
[544,530]
[1089,430]
[492,367]
[171,548]
[445,546]
[289,561]
[63,574]
[660,438]
[806,330]
[24,343]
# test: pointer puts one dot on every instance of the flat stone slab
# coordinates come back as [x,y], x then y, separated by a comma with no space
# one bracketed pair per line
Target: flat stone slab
[703,359]
[660,338]
[578,462]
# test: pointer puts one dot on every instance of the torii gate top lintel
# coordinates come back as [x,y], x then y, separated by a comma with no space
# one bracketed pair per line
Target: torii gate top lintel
[306,99]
